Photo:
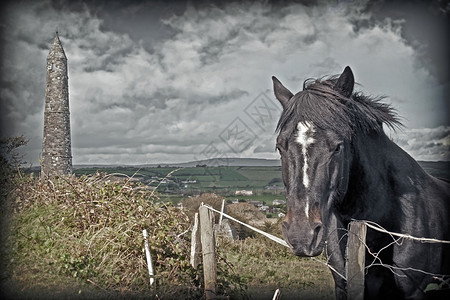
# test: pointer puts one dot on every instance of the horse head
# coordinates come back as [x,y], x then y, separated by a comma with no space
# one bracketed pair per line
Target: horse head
[314,144]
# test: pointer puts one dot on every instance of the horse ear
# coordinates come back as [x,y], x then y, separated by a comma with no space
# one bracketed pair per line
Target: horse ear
[345,83]
[281,92]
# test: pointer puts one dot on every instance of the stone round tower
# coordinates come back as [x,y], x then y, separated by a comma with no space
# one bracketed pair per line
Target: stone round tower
[56,149]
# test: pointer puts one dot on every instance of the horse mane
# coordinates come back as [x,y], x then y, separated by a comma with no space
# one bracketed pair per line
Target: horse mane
[325,108]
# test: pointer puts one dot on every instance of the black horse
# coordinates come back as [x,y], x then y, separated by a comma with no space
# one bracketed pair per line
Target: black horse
[338,165]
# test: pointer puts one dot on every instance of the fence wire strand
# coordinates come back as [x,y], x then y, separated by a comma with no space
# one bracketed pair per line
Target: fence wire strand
[379,228]
[272,237]
[397,239]
[268,235]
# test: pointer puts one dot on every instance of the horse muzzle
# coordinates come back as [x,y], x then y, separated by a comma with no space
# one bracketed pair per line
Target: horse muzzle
[305,240]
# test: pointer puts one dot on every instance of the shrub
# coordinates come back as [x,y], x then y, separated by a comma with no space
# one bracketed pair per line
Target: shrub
[246,213]
[191,204]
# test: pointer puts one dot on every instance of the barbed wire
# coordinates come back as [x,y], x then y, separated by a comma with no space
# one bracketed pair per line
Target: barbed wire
[397,239]
[379,228]
[272,237]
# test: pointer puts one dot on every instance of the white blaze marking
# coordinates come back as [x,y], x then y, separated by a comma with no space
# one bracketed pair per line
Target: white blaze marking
[304,138]
[307,208]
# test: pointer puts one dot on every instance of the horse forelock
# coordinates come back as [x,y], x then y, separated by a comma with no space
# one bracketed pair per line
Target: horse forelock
[325,108]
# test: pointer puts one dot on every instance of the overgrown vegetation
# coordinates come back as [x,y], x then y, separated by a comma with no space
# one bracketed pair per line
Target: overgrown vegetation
[86,232]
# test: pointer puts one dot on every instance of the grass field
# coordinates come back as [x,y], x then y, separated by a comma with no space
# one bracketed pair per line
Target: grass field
[267,266]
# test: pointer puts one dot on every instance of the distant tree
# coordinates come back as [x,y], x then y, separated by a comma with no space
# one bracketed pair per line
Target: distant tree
[274,181]
[10,165]
[10,158]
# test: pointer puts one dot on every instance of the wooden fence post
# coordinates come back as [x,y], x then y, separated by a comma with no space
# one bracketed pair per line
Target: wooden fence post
[356,254]
[196,244]
[208,251]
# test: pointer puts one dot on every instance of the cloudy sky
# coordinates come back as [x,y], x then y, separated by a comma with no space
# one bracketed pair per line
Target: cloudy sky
[154,82]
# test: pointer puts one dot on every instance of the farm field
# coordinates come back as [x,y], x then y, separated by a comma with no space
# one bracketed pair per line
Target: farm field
[219,176]
[200,179]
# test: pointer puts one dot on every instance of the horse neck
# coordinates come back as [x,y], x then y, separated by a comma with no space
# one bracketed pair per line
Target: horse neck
[380,173]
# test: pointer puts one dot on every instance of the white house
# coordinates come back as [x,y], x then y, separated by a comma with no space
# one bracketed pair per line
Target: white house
[277,202]
[264,208]
[244,193]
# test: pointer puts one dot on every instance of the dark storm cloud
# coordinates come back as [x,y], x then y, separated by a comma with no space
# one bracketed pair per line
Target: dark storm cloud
[424,26]
[151,81]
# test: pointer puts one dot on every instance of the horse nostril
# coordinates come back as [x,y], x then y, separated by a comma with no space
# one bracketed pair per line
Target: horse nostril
[316,235]
[317,229]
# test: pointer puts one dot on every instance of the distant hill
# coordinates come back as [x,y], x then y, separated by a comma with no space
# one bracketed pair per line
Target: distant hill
[231,162]
[228,162]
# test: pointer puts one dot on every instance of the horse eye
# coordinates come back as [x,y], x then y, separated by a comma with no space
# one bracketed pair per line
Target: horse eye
[338,148]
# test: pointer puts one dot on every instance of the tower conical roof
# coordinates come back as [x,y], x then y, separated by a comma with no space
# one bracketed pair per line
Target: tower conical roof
[57,51]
